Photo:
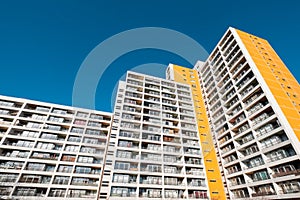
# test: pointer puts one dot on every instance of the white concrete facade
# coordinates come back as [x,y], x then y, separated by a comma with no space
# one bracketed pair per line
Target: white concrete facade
[155,142]
[49,151]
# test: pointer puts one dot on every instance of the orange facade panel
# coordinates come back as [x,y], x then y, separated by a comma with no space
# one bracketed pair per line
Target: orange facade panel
[215,182]
[278,78]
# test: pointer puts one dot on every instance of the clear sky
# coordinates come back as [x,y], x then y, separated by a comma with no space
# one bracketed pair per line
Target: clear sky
[43,43]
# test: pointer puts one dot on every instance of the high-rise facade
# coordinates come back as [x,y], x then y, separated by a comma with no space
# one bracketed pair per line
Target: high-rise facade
[227,129]
[155,141]
[253,102]
[216,184]
[50,151]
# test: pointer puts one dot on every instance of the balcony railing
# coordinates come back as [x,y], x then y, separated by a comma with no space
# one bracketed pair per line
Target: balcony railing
[296,172]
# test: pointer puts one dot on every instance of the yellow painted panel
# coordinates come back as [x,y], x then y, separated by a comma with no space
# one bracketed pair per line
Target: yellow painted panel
[207,145]
[262,53]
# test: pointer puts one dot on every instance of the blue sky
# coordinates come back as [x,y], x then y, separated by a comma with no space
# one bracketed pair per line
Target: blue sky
[43,43]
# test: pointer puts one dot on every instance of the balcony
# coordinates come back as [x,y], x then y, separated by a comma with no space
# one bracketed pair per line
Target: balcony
[194,143]
[227,148]
[150,193]
[130,126]
[193,161]
[237,181]
[84,181]
[171,140]
[235,60]
[134,95]
[229,95]
[254,162]
[195,172]
[234,46]
[11,165]
[6,122]
[40,167]
[128,134]
[32,179]
[285,171]
[128,144]
[251,150]
[233,169]
[235,110]
[134,89]
[263,193]
[250,89]
[123,192]
[198,195]
[229,104]
[254,97]
[147,157]
[189,134]
[271,141]
[87,194]
[290,187]
[172,170]
[262,117]
[240,194]
[192,151]
[244,79]
[173,194]
[57,193]
[230,159]
[260,176]
[267,128]
[151,147]
[151,168]
[151,137]
[153,180]
[47,156]
[8,178]
[280,154]
[8,112]
[246,139]
[261,106]
[10,104]
[171,149]
[134,82]
[235,71]
[196,183]
[26,191]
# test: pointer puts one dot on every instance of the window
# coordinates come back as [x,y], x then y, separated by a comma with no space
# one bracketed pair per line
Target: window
[94,116]
[86,170]
[63,180]
[56,119]
[72,148]
[122,166]
[95,124]
[58,111]
[85,159]
[77,130]
[74,139]
[82,114]
[65,168]
[80,122]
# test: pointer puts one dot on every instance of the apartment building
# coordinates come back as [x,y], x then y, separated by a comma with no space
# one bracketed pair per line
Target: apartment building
[50,151]
[154,146]
[227,129]
[252,103]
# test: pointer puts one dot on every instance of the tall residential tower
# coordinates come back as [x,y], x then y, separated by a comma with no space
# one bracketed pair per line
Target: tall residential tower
[156,147]
[253,102]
